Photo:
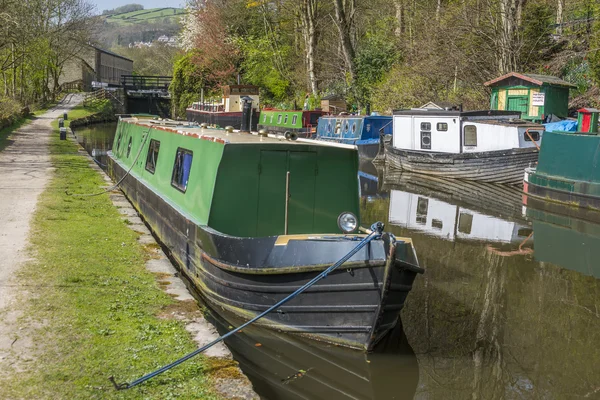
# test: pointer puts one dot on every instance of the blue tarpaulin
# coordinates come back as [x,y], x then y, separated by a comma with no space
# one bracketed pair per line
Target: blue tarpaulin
[566,125]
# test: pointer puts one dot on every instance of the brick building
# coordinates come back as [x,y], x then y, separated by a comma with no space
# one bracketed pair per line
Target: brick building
[95,64]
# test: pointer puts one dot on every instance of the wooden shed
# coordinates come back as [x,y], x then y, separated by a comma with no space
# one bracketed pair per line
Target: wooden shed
[333,104]
[535,96]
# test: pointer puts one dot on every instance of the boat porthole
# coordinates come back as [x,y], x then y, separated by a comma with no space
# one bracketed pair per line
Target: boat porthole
[353,127]
[329,127]
[346,127]
[129,148]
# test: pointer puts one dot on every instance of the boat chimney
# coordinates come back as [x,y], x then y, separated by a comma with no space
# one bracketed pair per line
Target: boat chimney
[246,113]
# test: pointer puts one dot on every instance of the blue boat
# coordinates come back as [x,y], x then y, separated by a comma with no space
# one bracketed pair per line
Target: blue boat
[359,130]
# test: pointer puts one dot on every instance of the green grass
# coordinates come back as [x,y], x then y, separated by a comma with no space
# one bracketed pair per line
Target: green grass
[95,301]
[140,16]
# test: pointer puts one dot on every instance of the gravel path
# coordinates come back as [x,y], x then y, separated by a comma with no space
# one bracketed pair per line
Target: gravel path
[24,172]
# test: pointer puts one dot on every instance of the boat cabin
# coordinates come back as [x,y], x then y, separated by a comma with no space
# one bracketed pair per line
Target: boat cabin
[442,131]
[535,96]
[232,100]
[353,129]
[279,121]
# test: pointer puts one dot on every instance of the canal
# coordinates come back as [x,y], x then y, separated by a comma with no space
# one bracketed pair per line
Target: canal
[509,305]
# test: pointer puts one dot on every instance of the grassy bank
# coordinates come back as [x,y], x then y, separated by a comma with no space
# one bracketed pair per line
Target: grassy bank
[97,306]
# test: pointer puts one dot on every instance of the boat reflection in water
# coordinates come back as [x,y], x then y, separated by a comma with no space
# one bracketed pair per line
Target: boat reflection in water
[567,238]
[456,210]
[284,366]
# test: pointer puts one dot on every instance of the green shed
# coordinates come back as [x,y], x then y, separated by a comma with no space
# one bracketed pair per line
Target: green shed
[535,96]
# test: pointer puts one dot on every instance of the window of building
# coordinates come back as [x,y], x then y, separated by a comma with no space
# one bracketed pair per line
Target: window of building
[152,156]
[470,136]
[181,169]
[279,119]
[532,134]
[129,148]
[426,126]
[294,119]
[441,127]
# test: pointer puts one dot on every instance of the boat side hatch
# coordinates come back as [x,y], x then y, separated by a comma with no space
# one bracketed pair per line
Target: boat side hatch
[273,176]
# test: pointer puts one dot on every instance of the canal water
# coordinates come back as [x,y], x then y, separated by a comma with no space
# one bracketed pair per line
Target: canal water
[508,308]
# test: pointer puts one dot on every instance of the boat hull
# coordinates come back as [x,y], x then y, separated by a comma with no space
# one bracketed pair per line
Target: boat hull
[568,192]
[355,306]
[502,166]
[221,119]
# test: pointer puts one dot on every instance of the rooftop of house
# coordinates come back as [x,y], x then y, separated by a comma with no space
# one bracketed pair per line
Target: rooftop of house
[536,79]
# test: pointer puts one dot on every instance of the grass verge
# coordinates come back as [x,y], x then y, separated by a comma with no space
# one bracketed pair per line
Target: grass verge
[96,304]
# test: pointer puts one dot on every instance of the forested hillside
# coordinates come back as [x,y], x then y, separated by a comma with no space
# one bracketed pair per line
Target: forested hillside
[388,53]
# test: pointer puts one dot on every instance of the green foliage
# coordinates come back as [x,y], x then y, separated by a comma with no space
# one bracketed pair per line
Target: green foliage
[260,68]
[186,86]
[375,57]
[123,9]
[594,54]
[536,33]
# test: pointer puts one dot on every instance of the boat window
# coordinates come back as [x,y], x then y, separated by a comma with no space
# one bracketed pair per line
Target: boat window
[294,119]
[285,119]
[338,127]
[470,137]
[353,127]
[181,169]
[422,208]
[152,156]
[272,115]
[346,127]
[442,127]
[119,140]
[534,134]
[465,223]
[425,126]
[437,224]
[129,148]
[279,119]
[265,118]
[329,127]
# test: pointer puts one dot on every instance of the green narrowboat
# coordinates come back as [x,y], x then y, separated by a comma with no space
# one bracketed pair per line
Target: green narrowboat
[568,170]
[250,218]
[302,123]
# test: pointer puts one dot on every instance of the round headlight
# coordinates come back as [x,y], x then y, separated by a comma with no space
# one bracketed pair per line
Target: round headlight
[347,222]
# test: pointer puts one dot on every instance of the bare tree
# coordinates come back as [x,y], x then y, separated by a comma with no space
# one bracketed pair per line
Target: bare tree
[308,17]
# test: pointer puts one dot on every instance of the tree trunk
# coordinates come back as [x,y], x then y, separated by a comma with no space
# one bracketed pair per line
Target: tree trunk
[342,14]
[399,5]
[308,13]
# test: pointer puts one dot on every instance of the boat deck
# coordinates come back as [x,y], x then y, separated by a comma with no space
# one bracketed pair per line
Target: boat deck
[221,135]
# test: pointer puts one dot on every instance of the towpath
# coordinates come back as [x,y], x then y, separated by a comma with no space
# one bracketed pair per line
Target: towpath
[24,172]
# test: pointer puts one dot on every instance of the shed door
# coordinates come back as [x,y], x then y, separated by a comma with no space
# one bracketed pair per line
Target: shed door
[518,103]
[274,166]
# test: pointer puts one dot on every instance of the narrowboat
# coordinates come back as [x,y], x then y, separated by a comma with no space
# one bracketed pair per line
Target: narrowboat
[250,218]
[568,171]
[228,111]
[486,146]
[303,124]
[360,130]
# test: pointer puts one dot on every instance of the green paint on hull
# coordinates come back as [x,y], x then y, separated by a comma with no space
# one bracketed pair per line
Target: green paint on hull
[238,188]
[283,119]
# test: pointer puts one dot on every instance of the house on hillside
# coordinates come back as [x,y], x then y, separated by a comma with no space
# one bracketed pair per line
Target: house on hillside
[94,64]
[535,96]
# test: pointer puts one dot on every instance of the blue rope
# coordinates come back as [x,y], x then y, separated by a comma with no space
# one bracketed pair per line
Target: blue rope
[377,230]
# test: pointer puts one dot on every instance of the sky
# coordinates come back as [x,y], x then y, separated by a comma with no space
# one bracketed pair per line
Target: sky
[110,4]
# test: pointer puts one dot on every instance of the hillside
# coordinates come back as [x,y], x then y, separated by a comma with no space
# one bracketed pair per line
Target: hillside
[123,29]
[145,16]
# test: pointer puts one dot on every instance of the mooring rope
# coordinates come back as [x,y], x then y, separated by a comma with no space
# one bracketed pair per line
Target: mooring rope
[376,232]
[116,185]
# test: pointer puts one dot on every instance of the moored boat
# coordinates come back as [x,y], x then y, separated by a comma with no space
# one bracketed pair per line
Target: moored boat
[360,130]
[249,219]
[229,110]
[486,146]
[302,123]
[568,171]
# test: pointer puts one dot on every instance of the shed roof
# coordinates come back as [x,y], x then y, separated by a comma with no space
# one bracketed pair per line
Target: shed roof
[440,105]
[110,52]
[536,79]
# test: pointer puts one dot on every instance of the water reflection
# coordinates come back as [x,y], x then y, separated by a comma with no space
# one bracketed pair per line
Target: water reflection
[97,140]
[290,367]
[499,313]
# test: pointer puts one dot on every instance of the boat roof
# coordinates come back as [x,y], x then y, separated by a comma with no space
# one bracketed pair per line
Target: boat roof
[356,116]
[455,113]
[221,135]
[509,122]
